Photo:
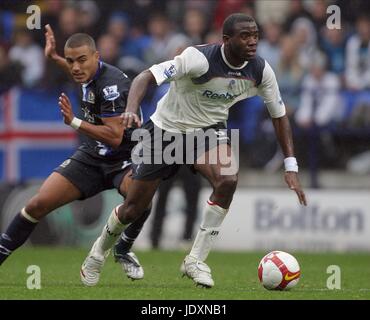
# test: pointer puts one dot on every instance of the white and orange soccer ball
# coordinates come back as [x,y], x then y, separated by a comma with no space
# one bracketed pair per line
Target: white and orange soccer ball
[279,270]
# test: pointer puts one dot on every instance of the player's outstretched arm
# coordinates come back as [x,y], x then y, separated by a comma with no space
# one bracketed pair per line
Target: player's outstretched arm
[50,49]
[136,94]
[110,132]
[284,135]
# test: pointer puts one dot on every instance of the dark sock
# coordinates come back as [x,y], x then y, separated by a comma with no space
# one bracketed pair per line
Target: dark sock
[130,234]
[17,233]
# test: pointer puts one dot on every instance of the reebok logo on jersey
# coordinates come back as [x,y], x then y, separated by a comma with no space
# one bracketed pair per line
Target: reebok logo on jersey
[111,93]
[226,96]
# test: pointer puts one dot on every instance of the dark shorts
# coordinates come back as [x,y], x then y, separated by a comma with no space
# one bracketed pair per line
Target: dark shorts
[152,154]
[91,176]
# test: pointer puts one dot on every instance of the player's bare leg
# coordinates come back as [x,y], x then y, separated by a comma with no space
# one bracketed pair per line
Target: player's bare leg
[122,250]
[93,264]
[54,193]
[139,197]
[135,209]
[214,212]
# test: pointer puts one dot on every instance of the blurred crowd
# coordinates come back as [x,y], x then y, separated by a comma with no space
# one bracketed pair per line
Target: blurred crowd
[323,74]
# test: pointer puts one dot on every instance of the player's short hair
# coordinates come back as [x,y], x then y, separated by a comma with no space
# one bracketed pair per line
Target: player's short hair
[228,27]
[80,39]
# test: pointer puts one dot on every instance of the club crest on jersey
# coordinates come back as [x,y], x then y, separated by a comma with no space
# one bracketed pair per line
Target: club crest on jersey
[231,84]
[111,93]
[170,72]
[91,97]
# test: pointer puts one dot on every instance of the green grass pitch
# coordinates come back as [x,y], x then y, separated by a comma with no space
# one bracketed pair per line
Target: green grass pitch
[235,276]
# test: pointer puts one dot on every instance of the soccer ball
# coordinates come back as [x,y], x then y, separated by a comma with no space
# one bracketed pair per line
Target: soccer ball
[279,270]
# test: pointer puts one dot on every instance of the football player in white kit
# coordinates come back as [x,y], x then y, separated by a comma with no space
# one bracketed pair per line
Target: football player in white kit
[205,81]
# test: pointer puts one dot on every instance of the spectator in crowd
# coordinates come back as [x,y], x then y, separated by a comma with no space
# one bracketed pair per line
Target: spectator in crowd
[88,17]
[319,15]
[137,10]
[305,35]
[320,107]
[160,32]
[333,43]
[320,102]
[357,70]
[296,10]
[107,47]
[268,47]
[119,27]
[266,11]
[289,74]
[195,25]
[350,10]
[176,8]
[225,7]
[10,72]
[68,24]
[30,55]
[132,43]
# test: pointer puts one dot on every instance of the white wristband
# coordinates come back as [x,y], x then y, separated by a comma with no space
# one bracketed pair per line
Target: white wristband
[75,123]
[290,164]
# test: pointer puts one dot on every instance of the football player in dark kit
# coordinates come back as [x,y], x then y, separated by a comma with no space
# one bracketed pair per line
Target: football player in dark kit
[101,162]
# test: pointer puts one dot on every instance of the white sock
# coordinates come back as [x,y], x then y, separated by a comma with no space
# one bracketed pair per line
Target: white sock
[111,231]
[212,219]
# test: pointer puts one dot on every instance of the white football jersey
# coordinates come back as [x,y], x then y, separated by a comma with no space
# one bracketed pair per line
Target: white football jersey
[204,85]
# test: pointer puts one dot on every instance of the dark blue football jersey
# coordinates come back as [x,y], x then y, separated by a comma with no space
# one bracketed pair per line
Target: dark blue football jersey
[103,97]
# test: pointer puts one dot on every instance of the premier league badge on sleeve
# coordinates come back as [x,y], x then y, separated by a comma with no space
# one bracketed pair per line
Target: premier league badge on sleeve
[170,72]
[111,93]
